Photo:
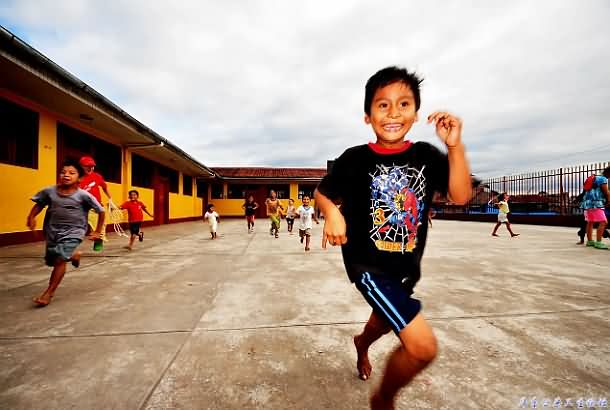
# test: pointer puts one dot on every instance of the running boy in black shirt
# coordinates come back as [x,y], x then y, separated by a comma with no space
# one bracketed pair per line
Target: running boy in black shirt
[385,190]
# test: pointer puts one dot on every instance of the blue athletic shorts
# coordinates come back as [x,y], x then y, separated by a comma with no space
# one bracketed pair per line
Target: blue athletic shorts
[389,298]
[64,250]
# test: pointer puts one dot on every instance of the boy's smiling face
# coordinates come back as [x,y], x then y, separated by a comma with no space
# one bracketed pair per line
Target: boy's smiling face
[392,114]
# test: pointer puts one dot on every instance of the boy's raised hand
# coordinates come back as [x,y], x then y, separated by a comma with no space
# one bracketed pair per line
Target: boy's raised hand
[31,223]
[448,127]
[334,230]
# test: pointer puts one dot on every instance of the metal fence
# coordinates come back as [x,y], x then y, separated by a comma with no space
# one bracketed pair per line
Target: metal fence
[549,192]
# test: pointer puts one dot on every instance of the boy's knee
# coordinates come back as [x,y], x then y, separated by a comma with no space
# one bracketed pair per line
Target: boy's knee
[423,350]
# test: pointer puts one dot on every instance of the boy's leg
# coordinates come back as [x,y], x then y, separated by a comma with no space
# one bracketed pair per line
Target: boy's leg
[417,350]
[496,228]
[373,330]
[510,230]
[59,270]
[307,240]
[589,231]
[600,231]
[132,239]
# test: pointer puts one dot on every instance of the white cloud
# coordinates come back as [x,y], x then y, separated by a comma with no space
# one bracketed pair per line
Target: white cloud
[282,83]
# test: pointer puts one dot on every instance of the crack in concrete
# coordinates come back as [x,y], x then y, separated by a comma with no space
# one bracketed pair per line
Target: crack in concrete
[301,325]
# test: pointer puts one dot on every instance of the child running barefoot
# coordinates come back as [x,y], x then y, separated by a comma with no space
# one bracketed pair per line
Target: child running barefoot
[502,205]
[306,214]
[213,219]
[385,190]
[291,214]
[250,208]
[65,223]
[274,211]
[135,216]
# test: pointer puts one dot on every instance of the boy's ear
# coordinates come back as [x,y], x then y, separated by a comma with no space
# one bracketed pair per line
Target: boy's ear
[367,119]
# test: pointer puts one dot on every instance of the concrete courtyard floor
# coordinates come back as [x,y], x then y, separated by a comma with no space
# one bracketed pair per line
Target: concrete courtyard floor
[252,322]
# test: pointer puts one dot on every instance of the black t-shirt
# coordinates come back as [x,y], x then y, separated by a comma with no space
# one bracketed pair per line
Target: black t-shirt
[385,197]
[250,208]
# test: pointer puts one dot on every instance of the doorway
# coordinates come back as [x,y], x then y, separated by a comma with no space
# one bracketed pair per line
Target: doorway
[161,206]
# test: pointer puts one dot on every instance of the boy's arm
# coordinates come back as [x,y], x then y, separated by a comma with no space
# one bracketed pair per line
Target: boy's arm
[97,234]
[31,221]
[313,215]
[334,223]
[449,130]
[146,210]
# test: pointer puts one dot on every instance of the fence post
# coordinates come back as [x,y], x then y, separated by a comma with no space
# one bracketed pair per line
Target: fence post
[562,204]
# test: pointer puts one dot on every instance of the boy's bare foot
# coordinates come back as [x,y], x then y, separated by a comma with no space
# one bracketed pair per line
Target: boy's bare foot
[75,259]
[306,249]
[379,402]
[127,247]
[363,365]
[494,234]
[515,234]
[43,300]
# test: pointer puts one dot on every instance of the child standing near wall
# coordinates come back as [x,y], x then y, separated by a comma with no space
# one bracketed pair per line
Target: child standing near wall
[213,219]
[135,215]
[65,223]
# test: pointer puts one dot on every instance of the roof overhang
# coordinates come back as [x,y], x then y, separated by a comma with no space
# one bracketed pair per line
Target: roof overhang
[30,75]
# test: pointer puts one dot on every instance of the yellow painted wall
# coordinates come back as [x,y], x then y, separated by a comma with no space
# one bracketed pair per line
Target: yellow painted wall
[19,183]
[232,207]
[183,206]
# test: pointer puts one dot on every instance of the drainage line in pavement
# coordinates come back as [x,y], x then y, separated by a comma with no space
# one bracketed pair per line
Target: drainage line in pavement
[432,319]
[296,325]
[155,332]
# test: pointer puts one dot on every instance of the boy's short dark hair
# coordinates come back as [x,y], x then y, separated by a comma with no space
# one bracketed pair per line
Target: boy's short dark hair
[210,206]
[134,191]
[305,196]
[71,162]
[387,76]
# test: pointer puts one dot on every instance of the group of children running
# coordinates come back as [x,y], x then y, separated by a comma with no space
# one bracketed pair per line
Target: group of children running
[275,211]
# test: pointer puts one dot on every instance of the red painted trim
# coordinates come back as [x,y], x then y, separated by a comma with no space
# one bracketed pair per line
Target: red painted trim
[16,238]
[378,149]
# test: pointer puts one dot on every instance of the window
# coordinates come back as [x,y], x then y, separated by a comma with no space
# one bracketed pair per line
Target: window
[172,176]
[217,192]
[75,143]
[202,189]
[239,191]
[306,189]
[141,171]
[187,185]
[282,191]
[18,135]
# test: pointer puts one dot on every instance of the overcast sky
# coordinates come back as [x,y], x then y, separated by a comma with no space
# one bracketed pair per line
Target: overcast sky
[281,83]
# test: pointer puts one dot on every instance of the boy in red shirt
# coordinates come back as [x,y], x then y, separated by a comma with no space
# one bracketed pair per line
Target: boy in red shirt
[134,210]
[91,182]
